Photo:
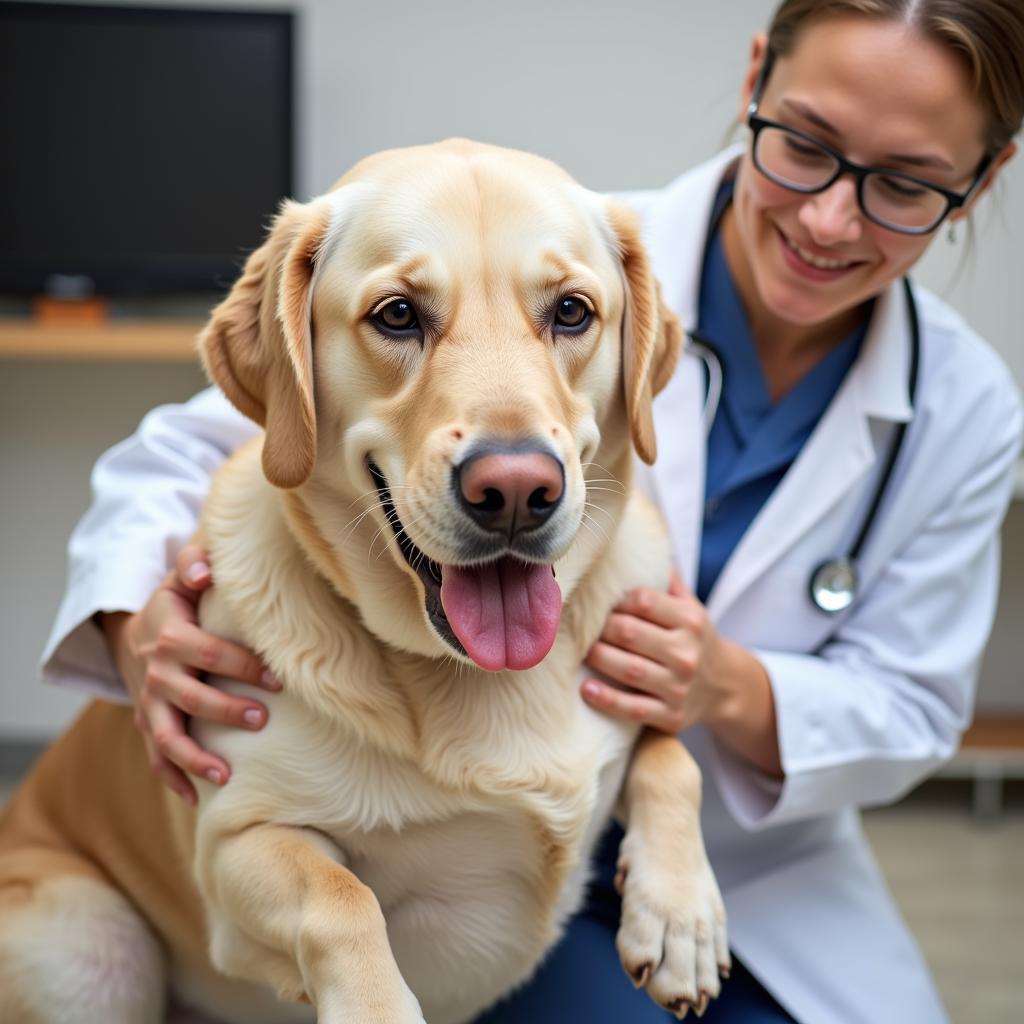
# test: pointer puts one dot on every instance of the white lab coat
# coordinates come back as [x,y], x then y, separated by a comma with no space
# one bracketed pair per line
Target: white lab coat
[868,703]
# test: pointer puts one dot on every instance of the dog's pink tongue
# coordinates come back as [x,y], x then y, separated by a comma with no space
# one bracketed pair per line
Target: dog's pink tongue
[505,614]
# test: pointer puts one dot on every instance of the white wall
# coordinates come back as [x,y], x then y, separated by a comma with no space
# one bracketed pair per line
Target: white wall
[623,94]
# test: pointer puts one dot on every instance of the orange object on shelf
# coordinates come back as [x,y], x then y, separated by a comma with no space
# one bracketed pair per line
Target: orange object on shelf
[50,312]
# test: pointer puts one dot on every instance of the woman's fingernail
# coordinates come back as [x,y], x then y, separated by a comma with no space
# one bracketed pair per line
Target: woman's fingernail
[253,717]
[197,571]
[214,776]
[270,681]
[591,689]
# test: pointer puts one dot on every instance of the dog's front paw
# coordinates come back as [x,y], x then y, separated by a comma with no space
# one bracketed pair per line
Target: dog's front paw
[391,1004]
[672,937]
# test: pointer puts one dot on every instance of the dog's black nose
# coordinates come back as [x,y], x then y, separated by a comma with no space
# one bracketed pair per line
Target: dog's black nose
[510,492]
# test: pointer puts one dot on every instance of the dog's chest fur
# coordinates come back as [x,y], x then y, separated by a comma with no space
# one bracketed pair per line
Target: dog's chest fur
[467,802]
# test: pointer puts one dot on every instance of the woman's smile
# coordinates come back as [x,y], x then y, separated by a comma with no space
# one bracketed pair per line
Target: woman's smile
[813,265]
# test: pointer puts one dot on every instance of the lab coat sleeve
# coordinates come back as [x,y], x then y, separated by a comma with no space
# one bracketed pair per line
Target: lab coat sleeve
[883,704]
[146,495]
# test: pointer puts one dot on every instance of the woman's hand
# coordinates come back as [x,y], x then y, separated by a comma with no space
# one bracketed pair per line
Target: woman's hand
[667,666]
[664,654]
[160,652]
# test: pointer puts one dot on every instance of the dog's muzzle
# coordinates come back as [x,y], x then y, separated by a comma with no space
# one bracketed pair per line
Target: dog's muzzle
[499,608]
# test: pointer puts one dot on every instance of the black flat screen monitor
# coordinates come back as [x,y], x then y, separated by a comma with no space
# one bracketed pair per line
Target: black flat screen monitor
[142,149]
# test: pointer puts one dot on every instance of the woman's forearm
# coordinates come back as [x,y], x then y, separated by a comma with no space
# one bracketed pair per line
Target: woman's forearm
[745,720]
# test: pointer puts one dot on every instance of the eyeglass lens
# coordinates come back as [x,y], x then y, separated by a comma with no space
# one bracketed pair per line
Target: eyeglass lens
[798,163]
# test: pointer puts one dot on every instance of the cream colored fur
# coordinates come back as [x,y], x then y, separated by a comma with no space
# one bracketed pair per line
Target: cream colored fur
[408,835]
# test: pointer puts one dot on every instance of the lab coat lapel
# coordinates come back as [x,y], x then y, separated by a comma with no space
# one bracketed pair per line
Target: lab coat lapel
[836,458]
[678,472]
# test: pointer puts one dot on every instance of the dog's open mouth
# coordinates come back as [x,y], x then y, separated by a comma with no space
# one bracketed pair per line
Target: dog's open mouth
[501,614]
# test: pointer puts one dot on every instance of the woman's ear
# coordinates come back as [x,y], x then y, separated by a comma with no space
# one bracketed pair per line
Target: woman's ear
[651,335]
[1004,156]
[758,52]
[257,345]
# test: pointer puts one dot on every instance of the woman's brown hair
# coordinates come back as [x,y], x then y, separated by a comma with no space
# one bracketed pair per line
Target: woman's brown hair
[988,36]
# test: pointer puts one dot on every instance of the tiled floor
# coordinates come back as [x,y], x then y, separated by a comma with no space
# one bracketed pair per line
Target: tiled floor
[960,885]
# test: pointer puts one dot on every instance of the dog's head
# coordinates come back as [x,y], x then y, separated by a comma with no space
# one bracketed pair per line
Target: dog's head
[451,354]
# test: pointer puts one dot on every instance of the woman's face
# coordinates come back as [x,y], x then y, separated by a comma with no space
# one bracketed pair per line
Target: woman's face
[882,96]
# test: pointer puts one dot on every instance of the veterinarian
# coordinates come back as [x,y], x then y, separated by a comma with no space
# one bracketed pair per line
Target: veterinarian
[836,538]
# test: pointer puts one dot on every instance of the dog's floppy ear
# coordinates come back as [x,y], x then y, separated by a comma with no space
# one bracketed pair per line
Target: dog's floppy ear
[257,345]
[651,335]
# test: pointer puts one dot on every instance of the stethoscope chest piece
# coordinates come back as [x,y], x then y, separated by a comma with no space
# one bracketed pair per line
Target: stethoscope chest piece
[834,585]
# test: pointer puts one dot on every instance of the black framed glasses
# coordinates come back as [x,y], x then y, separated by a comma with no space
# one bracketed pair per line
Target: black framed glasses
[798,161]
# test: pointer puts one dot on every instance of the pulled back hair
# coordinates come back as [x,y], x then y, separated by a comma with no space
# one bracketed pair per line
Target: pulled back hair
[986,35]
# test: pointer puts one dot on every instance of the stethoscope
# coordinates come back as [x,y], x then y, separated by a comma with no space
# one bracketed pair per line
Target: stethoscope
[833,584]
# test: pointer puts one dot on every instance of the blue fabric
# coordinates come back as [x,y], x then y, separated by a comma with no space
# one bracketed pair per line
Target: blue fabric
[583,980]
[753,441]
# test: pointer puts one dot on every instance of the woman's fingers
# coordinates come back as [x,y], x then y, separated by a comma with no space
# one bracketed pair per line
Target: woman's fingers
[171,683]
[669,611]
[174,777]
[633,707]
[160,651]
[173,752]
[192,567]
[634,671]
[189,645]
[675,650]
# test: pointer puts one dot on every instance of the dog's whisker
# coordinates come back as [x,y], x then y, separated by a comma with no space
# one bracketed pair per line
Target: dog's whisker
[595,527]
[391,520]
[594,485]
[588,517]
[604,469]
[586,526]
[394,520]
[599,466]
[374,493]
[379,503]
[604,479]
[353,524]
[598,508]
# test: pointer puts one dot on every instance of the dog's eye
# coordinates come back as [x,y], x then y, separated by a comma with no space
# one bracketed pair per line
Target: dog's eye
[397,317]
[572,314]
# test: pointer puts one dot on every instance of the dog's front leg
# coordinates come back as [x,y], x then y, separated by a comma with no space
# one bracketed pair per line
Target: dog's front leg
[283,911]
[672,938]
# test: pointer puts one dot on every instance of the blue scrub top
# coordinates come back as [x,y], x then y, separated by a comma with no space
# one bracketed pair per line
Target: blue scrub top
[753,441]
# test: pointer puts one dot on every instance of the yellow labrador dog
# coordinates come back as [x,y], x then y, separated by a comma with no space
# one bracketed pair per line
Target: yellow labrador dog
[453,355]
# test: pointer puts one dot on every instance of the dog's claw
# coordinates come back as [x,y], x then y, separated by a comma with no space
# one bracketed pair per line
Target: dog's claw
[679,1008]
[641,975]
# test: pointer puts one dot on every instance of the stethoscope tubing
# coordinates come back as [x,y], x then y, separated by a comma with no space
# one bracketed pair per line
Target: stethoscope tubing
[897,445]
[833,584]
